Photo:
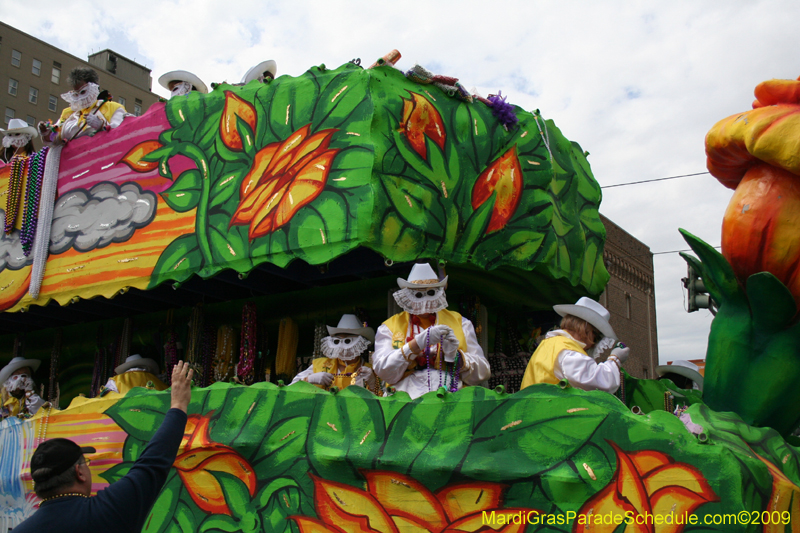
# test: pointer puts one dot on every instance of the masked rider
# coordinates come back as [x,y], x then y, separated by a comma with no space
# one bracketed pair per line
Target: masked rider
[86,115]
[18,396]
[346,360]
[426,346]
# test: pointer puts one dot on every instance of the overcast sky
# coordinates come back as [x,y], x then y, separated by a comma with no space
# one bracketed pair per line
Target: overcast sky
[637,84]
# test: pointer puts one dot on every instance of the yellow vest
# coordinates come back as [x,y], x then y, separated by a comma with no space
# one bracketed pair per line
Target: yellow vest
[331,366]
[107,110]
[541,367]
[399,326]
[13,405]
[129,380]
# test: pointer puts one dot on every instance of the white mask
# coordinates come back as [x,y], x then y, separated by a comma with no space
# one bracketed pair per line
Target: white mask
[17,140]
[83,98]
[344,348]
[181,88]
[604,344]
[421,301]
[19,382]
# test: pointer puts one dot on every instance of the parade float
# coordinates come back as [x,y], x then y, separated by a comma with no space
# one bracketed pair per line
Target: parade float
[301,198]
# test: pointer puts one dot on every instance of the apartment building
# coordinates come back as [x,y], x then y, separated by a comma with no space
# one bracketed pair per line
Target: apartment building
[33,75]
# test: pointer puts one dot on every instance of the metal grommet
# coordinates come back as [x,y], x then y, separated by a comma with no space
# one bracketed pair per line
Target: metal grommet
[388,262]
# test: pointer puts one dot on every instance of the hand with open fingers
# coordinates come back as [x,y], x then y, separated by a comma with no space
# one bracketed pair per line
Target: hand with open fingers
[320,378]
[621,352]
[181,386]
[94,121]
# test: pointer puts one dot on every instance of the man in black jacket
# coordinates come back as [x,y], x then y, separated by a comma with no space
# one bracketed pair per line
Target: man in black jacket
[63,480]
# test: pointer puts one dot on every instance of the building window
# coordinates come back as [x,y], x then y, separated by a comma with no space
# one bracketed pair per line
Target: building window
[137,107]
[31,121]
[121,101]
[16,57]
[9,114]
[37,67]
[12,86]
[645,372]
[628,304]
[52,103]
[56,76]
[33,95]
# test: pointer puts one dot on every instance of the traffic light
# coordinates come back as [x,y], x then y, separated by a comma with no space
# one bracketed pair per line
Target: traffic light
[698,295]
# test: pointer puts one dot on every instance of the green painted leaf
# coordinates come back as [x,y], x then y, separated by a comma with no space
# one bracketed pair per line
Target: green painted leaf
[116,472]
[179,260]
[141,415]
[185,193]
[133,448]
[476,225]
[227,186]
[235,491]
[771,302]
[164,507]
[531,441]
[416,203]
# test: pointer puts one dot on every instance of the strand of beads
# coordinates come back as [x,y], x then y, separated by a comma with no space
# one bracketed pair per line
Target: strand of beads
[428,355]
[621,391]
[54,355]
[171,353]
[33,194]
[223,358]
[207,354]
[247,352]
[456,376]
[43,426]
[18,165]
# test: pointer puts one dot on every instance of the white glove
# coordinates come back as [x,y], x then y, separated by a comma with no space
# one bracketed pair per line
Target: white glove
[365,376]
[621,352]
[450,346]
[320,378]
[94,121]
[436,334]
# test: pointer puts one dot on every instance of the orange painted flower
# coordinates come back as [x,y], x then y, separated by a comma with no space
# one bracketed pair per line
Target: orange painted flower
[421,120]
[785,497]
[755,153]
[393,503]
[284,177]
[134,157]
[646,483]
[503,176]
[235,106]
[200,458]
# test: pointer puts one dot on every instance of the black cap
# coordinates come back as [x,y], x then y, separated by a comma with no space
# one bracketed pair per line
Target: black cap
[54,457]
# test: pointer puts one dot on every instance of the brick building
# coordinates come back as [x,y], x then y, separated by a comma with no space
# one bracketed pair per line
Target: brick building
[630,298]
[33,75]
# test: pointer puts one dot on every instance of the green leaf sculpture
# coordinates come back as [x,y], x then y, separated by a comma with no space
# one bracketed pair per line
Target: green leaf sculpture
[753,357]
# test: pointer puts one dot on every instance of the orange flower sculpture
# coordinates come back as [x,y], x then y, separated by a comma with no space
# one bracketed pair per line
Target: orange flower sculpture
[200,458]
[394,503]
[235,106]
[646,483]
[420,120]
[503,176]
[756,153]
[284,177]
[785,497]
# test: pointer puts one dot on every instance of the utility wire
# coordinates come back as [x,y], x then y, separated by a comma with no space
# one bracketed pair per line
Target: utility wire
[650,181]
[659,253]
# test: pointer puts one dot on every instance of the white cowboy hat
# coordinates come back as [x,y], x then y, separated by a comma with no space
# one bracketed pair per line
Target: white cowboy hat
[16,364]
[590,311]
[256,71]
[137,361]
[422,276]
[182,75]
[351,325]
[17,125]
[683,368]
